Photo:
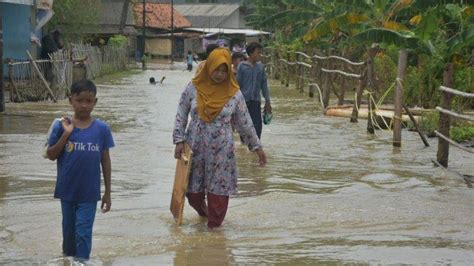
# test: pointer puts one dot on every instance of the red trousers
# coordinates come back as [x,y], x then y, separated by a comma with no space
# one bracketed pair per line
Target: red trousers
[215,209]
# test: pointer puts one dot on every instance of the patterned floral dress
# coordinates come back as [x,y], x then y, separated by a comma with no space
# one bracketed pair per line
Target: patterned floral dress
[214,166]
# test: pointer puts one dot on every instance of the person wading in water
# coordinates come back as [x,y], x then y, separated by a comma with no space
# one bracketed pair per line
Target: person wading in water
[212,100]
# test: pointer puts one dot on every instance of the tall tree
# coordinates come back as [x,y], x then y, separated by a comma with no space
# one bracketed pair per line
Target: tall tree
[73,17]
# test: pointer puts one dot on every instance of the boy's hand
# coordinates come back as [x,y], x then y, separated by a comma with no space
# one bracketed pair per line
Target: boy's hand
[106,203]
[179,150]
[262,158]
[68,126]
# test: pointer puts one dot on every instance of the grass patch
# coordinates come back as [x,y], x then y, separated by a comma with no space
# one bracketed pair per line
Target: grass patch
[459,132]
[462,133]
[116,76]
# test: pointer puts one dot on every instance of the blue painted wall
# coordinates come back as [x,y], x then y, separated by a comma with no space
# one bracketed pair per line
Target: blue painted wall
[16,31]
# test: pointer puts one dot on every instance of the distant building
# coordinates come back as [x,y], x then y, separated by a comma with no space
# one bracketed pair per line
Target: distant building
[158,28]
[110,22]
[110,19]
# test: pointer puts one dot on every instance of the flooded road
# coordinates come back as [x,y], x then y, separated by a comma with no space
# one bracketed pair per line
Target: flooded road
[329,194]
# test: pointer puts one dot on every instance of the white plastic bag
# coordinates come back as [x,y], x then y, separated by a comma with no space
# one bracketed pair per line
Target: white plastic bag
[46,145]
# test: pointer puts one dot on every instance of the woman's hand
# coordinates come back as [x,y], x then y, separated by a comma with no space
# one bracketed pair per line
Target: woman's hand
[262,158]
[178,150]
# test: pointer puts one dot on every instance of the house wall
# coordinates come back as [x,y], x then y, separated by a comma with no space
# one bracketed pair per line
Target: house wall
[16,30]
[194,45]
[157,46]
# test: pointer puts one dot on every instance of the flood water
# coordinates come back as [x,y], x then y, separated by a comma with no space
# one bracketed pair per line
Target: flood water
[330,193]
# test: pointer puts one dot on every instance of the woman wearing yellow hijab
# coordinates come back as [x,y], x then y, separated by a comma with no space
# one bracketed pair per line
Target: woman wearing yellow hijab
[214,103]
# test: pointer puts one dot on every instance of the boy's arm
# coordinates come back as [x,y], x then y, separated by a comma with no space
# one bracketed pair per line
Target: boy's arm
[266,93]
[55,150]
[107,172]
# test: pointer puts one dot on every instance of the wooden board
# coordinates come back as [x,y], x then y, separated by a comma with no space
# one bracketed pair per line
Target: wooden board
[346,111]
[181,179]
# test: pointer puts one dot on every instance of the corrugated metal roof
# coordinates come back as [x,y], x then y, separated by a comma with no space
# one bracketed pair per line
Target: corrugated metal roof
[207,10]
[159,16]
[246,32]
[203,15]
[111,13]
[110,16]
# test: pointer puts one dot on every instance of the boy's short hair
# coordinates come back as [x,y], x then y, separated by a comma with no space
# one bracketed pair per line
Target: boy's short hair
[83,85]
[252,46]
[236,55]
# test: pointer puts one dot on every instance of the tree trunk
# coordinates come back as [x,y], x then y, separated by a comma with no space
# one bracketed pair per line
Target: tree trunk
[397,117]
[444,119]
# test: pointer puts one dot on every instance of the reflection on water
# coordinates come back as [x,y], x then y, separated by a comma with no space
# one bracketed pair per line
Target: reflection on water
[330,193]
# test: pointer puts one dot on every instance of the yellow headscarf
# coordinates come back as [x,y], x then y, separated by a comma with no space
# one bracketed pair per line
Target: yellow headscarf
[211,96]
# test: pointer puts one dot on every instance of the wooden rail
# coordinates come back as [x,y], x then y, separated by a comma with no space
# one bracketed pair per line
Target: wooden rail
[444,141]
[451,113]
[358,76]
[318,73]
[456,92]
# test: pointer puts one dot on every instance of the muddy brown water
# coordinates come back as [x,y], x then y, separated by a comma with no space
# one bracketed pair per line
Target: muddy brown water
[330,193]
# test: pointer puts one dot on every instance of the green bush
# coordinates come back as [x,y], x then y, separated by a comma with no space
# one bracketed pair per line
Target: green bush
[117,41]
[463,81]
[429,122]
[462,133]
[385,74]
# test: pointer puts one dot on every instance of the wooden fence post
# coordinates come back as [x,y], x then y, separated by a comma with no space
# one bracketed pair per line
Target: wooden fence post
[2,95]
[314,74]
[14,94]
[288,69]
[298,71]
[444,119]
[274,60]
[358,98]
[281,68]
[370,85]
[35,66]
[397,116]
[342,92]
[326,85]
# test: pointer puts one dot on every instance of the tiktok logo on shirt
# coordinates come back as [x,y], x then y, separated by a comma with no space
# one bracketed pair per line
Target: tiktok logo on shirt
[79,146]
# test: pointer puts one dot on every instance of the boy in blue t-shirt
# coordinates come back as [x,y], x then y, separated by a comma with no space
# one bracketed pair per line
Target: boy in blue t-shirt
[81,145]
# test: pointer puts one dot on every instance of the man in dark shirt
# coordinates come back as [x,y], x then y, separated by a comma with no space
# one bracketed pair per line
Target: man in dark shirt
[252,80]
[50,44]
